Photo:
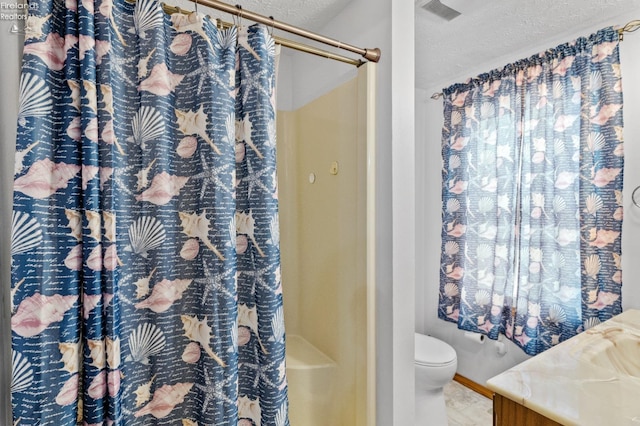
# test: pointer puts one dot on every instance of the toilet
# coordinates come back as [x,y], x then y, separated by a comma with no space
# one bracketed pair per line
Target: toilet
[435,366]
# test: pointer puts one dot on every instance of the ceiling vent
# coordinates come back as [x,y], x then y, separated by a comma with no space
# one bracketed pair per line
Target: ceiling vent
[437,8]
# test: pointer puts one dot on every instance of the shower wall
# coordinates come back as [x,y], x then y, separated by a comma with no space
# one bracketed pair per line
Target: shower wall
[322,191]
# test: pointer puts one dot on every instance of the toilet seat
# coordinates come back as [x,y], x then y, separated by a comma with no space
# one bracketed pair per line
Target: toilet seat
[432,352]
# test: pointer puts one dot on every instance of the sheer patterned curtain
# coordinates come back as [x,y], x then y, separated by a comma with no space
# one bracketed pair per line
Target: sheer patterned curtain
[532,195]
[145,259]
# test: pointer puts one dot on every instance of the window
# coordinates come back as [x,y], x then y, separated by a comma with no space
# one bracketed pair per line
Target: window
[532,195]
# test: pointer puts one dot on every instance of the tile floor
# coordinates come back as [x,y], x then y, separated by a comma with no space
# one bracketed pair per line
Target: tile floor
[466,407]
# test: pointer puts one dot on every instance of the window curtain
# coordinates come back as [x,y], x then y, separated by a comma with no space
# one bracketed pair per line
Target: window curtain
[532,195]
[145,261]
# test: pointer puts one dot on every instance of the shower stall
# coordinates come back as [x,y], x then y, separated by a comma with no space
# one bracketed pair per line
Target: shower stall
[325,186]
[326,176]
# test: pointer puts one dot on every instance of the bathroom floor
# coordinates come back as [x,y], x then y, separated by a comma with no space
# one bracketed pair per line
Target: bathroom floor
[466,407]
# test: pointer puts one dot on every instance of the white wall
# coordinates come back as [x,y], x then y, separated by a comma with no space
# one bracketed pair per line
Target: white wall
[476,362]
[630,61]
[404,212]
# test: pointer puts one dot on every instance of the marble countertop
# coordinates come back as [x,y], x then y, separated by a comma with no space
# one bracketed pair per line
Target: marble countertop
[592,379]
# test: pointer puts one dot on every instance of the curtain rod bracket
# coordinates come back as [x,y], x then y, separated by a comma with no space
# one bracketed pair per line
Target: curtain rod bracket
[629,27]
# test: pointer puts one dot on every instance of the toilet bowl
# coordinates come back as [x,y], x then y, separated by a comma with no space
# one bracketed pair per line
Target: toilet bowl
[435,366]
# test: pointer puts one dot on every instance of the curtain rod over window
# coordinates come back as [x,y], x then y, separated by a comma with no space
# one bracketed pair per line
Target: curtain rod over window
[629,27]
[372,55]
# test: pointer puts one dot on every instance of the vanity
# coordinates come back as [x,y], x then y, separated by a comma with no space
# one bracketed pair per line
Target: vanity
[592,379]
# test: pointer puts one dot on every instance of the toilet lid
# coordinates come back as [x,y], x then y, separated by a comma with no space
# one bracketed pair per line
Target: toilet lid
[431,351]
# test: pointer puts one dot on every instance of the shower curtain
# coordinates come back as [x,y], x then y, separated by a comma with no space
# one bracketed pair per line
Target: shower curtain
[145,261]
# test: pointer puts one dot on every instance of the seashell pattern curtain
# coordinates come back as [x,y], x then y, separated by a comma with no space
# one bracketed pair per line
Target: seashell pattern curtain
[145,237]
[532,196]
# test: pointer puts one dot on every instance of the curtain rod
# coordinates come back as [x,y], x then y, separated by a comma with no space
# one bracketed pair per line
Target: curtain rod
[372,55]
[279,40]
[629,27]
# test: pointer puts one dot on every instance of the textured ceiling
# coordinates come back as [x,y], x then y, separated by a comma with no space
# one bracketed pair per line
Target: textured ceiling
[488,33]
[448,52]
[309,14]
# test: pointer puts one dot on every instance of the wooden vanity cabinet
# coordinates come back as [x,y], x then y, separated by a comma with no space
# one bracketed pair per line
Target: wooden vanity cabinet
[509,413]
